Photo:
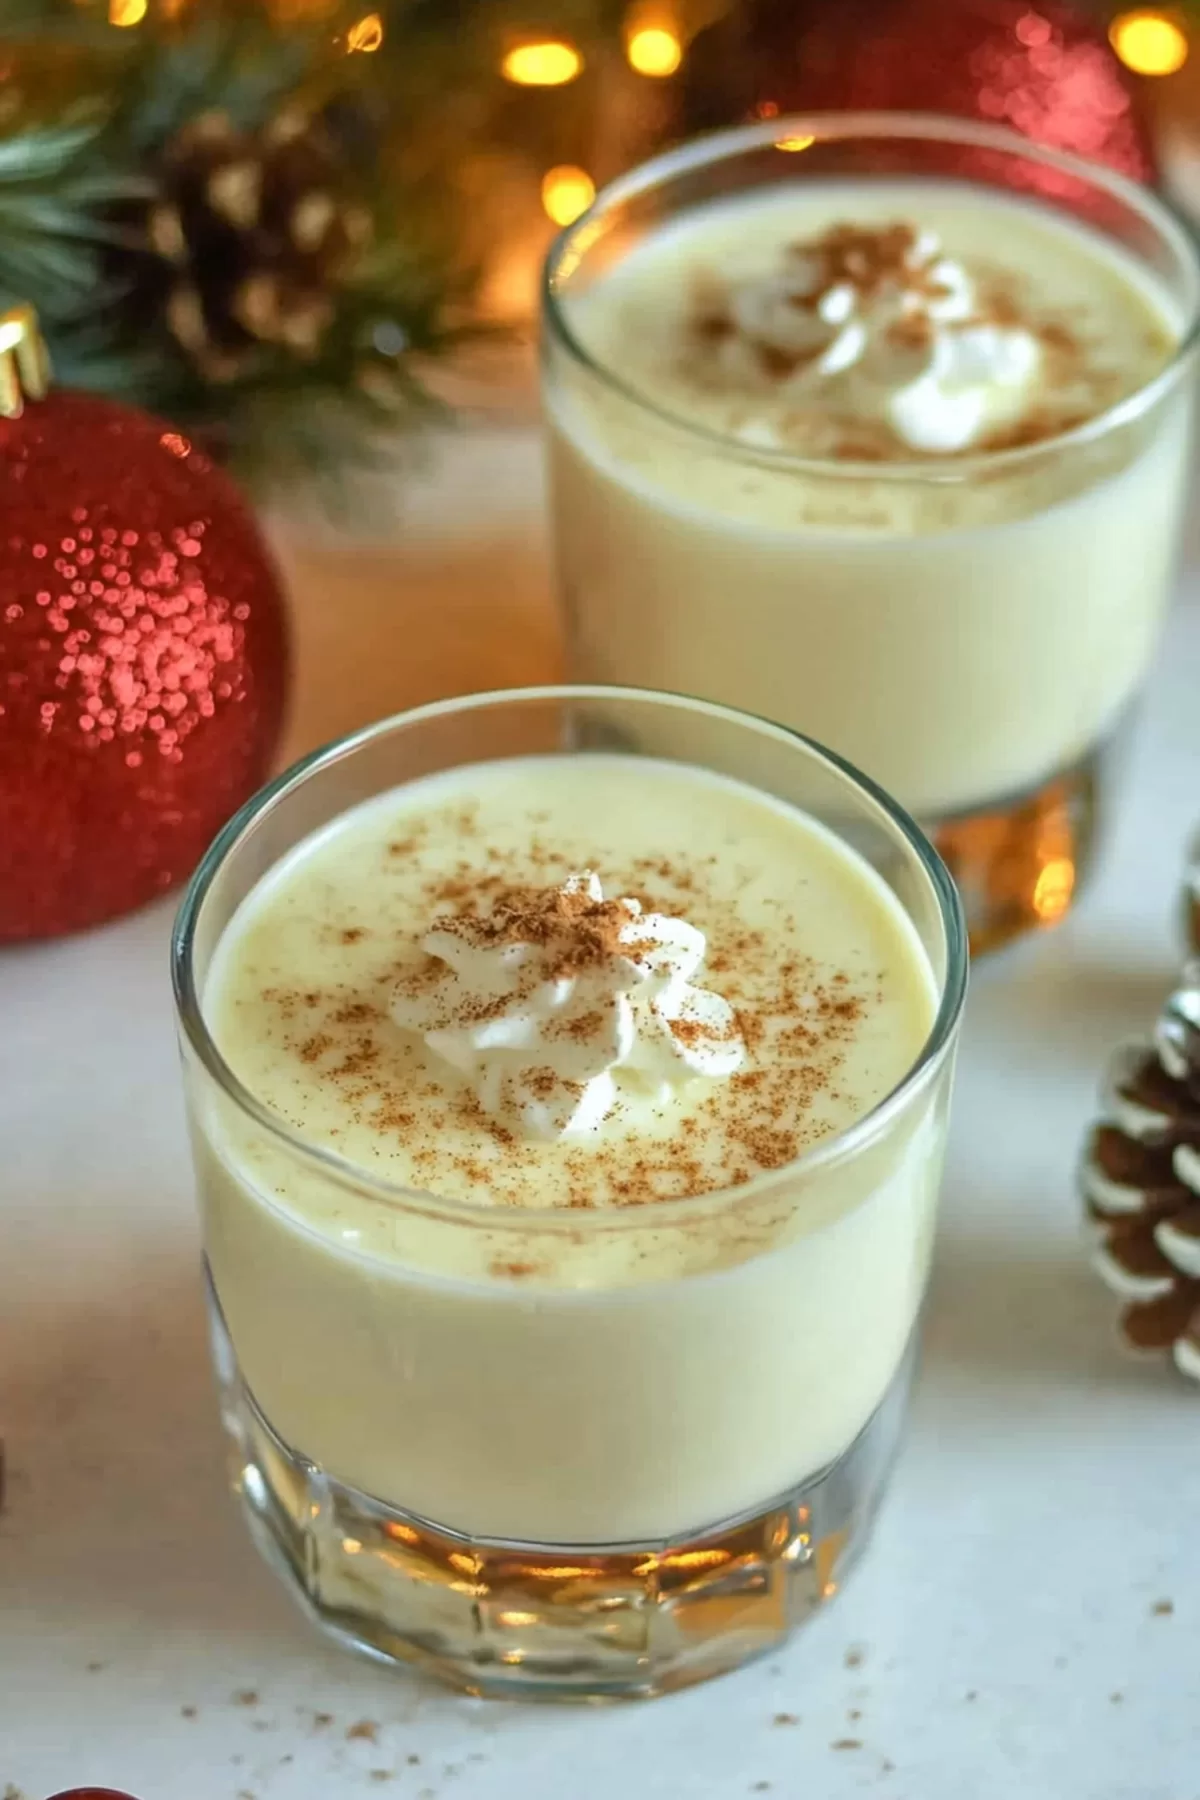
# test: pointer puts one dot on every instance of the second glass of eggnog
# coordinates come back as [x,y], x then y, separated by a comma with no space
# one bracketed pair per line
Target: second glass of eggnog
[878,426]
[568,1122]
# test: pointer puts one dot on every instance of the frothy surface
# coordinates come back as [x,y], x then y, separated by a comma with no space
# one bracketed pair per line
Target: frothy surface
[832,992]
[671,319]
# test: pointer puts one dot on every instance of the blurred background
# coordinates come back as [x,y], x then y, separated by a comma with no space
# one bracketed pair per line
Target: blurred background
[298,226]
[307,234]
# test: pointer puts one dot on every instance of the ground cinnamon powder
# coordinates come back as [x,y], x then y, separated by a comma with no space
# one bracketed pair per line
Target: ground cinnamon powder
[1076,382]
[797,1021]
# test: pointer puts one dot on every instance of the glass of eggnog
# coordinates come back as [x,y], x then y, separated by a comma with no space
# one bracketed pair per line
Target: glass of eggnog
[877,425]
[568,1073]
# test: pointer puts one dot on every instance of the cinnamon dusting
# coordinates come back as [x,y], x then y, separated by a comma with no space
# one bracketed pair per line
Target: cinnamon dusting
[581,933]
[796,1020]
[515,1270]
[870,258]
[1077,381]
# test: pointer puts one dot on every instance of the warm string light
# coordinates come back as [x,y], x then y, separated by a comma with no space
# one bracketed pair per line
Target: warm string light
[1149,43]
[126,12]
[366,34]
[567,192]
[541,65]
[654,50]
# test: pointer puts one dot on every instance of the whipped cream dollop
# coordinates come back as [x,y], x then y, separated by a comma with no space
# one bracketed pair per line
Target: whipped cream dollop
[557,999]
[891,329]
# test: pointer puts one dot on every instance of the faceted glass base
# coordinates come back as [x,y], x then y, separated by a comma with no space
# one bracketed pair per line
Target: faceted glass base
[1019,864]
[556,1621]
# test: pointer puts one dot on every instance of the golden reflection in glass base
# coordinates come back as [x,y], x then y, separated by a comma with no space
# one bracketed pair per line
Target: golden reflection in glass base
[1020,864]
[548,1621]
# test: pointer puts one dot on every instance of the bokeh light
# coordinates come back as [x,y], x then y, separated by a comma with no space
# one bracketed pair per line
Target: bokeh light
[542,65]
[1149,43]
[567,192]
[654,50]
[1053,889]
[126,12]
[366,34]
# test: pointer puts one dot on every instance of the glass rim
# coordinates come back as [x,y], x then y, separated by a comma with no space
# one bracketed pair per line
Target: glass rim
[839,1145]
[832,127]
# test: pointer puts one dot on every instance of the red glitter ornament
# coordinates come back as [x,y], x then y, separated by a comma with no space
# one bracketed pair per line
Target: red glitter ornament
[1041,67]
[143,657]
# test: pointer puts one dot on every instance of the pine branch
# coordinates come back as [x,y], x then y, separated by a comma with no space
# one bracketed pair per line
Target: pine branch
[84,160]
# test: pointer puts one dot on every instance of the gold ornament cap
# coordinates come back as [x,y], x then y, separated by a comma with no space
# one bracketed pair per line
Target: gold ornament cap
[24,361]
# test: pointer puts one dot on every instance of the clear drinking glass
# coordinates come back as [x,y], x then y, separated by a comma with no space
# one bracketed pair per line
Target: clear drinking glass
[969,629]
[396,1431]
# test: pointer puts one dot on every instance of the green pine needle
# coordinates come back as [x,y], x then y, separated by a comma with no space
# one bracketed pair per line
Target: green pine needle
[82,152]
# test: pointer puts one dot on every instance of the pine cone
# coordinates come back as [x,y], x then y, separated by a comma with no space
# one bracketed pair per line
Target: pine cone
[1141,1182]
[249,239]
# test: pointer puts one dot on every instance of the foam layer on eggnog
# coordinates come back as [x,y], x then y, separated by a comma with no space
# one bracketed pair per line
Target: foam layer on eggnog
[830,990]
[691,322]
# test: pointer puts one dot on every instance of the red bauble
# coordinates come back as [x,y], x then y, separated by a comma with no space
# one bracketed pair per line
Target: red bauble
[92,1794]
[143,661]
[1041,67]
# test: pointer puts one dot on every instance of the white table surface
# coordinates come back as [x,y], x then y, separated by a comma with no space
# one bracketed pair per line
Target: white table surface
[1006,1635]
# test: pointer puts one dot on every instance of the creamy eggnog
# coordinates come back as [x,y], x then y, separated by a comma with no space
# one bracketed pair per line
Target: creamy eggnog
[568,1073]
[590,986]
[895,460]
